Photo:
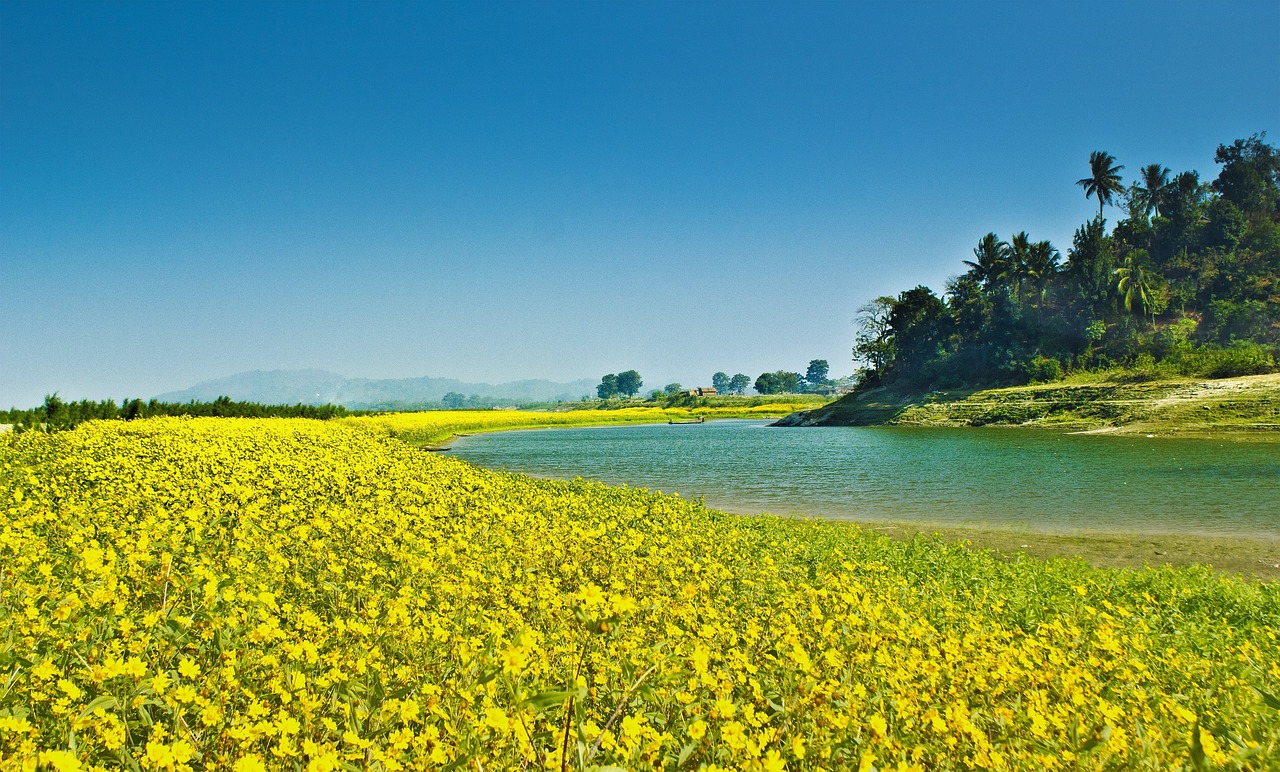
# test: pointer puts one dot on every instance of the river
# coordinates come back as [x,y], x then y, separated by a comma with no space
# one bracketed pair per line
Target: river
[993,478]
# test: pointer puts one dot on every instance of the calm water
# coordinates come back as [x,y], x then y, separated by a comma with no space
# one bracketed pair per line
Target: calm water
[1001,478]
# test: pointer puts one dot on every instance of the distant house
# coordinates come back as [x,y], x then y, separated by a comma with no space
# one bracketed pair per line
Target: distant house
[702,391]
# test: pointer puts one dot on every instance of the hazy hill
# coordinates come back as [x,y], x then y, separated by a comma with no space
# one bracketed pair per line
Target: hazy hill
[317,387]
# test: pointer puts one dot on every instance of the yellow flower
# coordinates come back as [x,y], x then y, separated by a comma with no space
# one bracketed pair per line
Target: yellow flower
[188,668]
[878,725]
[185,694]
[69,688]
[697,729]
[734,735]
[496,718]
[773,761]
[591,595]
[251,763]
[45,670]
[159,755]
[63,761]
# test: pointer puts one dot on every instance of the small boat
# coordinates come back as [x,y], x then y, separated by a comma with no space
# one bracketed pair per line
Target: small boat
[699,420]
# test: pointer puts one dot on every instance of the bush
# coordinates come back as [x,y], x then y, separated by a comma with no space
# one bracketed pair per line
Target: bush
[1043,369]
[1236,360]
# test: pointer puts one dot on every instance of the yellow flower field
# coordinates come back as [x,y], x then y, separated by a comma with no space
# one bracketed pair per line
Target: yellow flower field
[290,594]
[435,426]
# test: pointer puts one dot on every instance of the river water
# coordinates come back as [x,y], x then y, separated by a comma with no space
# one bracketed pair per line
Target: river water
[1002,478]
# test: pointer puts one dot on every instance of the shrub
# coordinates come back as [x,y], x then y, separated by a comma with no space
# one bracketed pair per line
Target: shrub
[1043,369]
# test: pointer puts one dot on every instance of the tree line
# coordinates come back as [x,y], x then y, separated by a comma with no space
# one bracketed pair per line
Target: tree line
[1187,281]
[813,380]
[57,415]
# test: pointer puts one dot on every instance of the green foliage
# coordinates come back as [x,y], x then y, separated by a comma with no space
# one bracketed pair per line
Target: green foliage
[1203,272]
[56,415]
[779,382]
[816,375]
[1043,369]
[608,386]
[1103,180]
[1250,176]
[629,383]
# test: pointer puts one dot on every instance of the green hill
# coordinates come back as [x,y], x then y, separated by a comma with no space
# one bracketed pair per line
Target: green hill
[1248,405]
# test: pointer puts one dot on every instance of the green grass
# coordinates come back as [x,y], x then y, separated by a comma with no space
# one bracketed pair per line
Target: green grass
[1247,406]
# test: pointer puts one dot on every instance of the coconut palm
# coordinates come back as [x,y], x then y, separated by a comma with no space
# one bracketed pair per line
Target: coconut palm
[1151,193]
[992,261]
[1016,266]
[1103,180]
[1041,266]
[1134,283]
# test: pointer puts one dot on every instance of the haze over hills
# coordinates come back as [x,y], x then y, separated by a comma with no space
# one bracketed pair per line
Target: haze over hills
[318,387]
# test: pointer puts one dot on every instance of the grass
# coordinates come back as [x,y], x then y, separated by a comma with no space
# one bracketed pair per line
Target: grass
[1254,559]
[1245,407]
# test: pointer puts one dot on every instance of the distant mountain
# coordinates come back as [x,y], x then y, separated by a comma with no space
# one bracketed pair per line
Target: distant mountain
[318,387]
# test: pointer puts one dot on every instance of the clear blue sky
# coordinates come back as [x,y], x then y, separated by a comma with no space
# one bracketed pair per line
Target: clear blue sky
[492,191]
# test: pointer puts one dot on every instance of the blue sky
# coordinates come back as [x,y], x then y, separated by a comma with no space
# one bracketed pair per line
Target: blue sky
[493,191]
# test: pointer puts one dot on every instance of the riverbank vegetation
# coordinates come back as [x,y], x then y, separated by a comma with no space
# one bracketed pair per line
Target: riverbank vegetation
[1186,283]
[434,428]
[1241,407]
[58,415]
[278,593]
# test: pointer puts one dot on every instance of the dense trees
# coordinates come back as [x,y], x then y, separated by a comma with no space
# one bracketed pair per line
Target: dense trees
[608,386]
[56,414]
[816,375]
[626,384]
[629,382]
[780,382]
[1190,277]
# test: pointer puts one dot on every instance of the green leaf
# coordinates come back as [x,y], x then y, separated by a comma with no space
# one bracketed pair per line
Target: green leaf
[1101,734]
[685,753]
[1198,759]
[105,701]
[1272,701]
[544,700]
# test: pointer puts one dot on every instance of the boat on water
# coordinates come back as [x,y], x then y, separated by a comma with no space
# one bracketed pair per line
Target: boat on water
[698,420]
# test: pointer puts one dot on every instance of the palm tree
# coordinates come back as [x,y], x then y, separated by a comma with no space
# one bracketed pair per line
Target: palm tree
[1135,284]
[1103,180]
[1151,194]
[1016,267]
[993,261]
[1042,265]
